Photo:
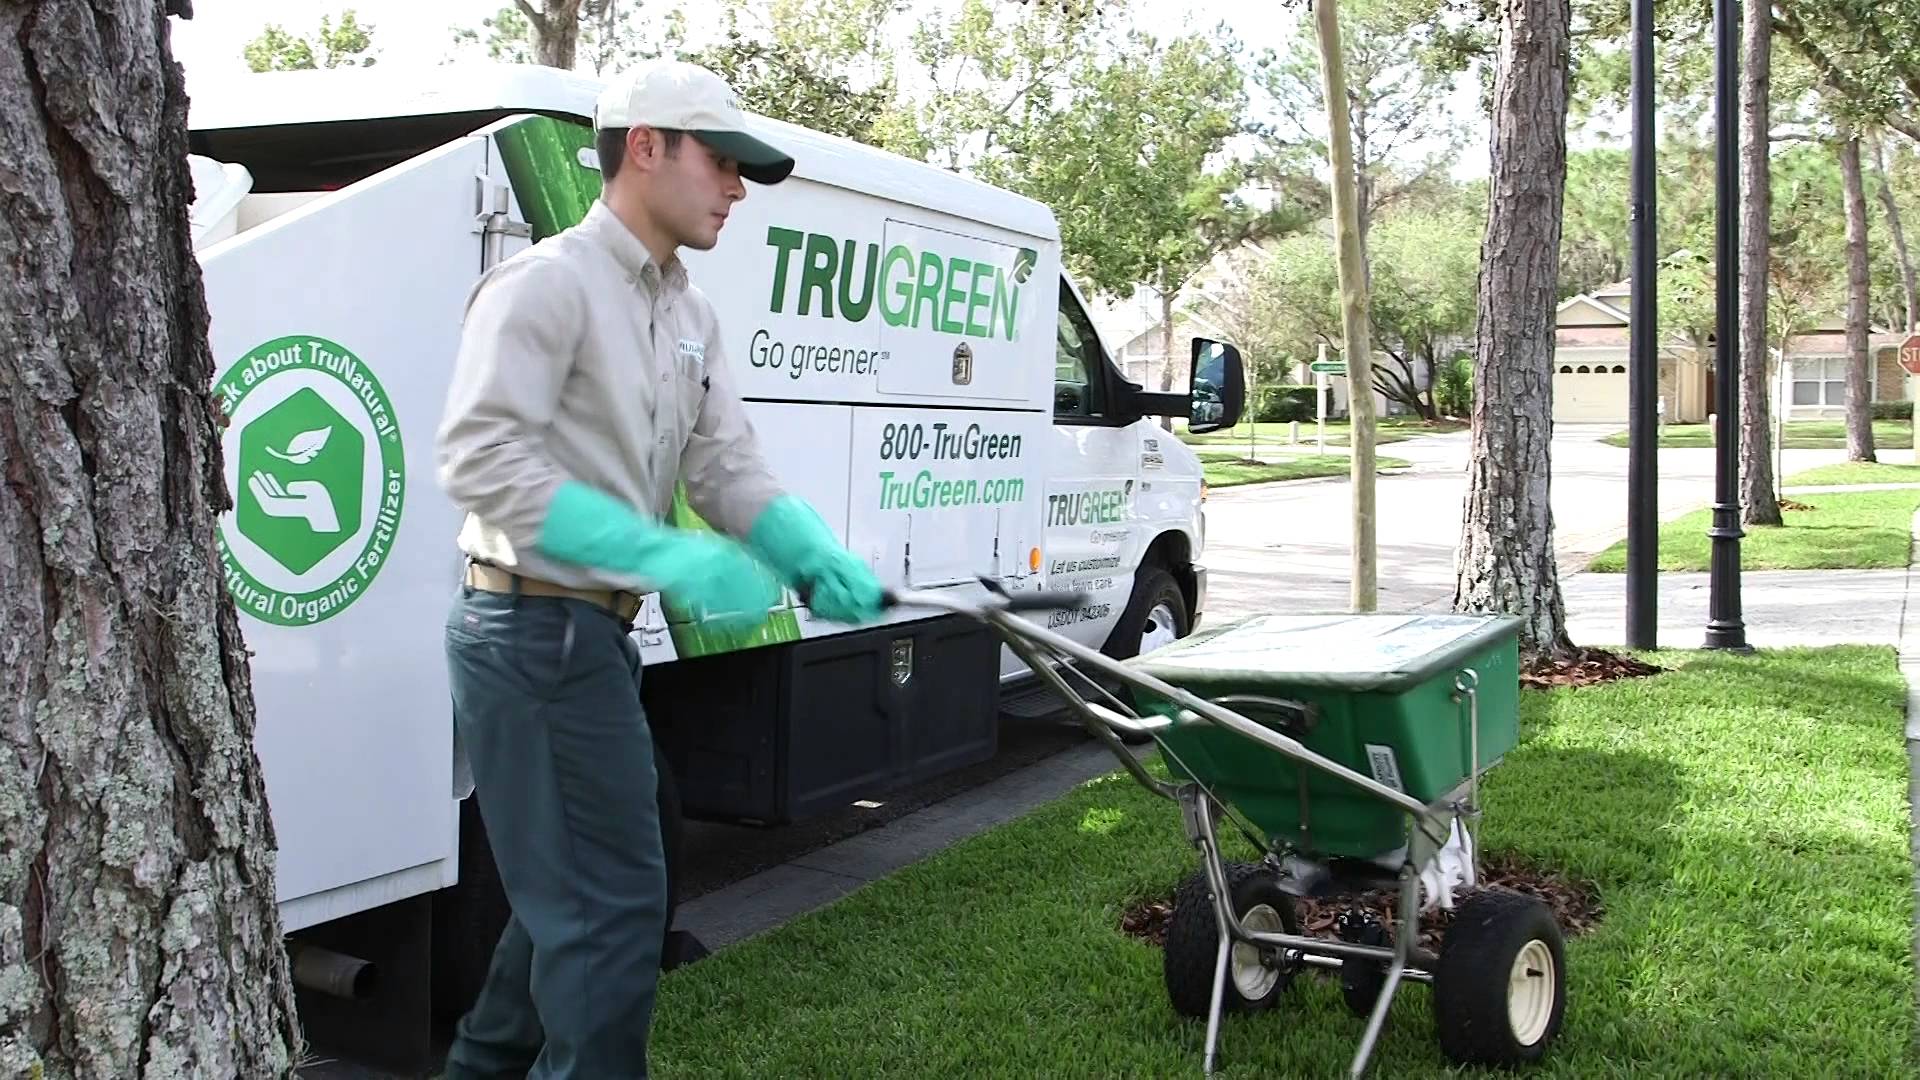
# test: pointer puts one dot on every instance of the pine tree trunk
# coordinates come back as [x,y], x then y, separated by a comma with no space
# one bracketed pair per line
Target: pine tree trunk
[1760,503]
[139,935]
[556,31]
[1859,388]
[1506,561]
[1910,289]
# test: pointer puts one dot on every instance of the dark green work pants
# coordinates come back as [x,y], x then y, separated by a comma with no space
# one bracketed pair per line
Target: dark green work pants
[546,696]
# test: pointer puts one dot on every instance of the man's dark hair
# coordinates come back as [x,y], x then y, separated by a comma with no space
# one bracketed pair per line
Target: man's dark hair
[611,145]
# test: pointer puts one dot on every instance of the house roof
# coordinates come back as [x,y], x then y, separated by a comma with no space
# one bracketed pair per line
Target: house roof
[1609,314]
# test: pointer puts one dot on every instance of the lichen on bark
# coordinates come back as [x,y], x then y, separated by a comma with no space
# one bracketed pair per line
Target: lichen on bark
[139,935]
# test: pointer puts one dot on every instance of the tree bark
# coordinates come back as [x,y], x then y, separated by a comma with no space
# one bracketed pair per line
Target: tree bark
[1759,501]
[1506,561]
[1910,288]
[1356,333]
[1859,374]
[556,31]
[139,935]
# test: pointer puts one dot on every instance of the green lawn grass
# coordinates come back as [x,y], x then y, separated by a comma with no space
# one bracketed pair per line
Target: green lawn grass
[1859,530]
[1855,472]
[1743,820]
[1231,470]
[1800,435]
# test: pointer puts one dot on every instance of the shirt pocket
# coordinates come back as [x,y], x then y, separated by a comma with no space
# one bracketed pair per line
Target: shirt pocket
[690,386]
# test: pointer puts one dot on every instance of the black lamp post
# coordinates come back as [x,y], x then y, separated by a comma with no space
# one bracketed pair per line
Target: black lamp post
[1725,627]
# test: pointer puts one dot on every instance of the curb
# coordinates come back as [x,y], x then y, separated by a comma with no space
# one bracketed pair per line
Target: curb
[773,897]
[1842,489]
[1303,481]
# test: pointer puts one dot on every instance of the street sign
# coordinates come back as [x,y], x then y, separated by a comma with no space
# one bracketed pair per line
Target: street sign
[1910,354]
[1339,367]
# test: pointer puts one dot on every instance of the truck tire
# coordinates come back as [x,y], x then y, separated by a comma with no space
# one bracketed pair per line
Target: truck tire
[1156,614]
[468,918]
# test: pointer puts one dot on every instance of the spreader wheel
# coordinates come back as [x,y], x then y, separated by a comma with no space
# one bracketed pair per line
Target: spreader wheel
[1500,994]
[1256,974]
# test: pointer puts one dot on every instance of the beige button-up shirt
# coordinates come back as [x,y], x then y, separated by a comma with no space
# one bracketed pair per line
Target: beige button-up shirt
[582,358]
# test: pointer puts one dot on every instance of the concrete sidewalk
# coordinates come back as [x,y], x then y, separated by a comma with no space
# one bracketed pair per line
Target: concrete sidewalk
[1779,607]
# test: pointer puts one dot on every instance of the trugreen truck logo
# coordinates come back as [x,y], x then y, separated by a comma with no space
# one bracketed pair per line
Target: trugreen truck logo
[814,272]
[322,478]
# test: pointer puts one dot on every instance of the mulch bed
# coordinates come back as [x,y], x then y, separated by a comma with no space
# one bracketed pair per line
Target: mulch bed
[1576,905]
[1585,667]
[1789,504]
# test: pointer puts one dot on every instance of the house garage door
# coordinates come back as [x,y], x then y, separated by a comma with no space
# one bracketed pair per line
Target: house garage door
[1590,393]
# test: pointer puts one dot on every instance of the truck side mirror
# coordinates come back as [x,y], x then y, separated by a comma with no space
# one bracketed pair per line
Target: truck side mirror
[1218,387]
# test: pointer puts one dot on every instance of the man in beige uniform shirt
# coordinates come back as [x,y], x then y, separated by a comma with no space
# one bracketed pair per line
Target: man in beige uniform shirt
[591,377]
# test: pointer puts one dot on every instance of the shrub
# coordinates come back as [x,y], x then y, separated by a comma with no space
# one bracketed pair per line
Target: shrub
[1283,404]
[1453,387]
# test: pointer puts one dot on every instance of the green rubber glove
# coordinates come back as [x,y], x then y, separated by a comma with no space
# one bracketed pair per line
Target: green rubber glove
[710,573]
[790,536]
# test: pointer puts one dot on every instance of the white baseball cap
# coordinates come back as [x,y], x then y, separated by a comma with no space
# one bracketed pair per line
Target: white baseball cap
[686,97]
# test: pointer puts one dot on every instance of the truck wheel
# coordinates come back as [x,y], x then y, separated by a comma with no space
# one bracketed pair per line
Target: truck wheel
[1156,615]
[1256,975]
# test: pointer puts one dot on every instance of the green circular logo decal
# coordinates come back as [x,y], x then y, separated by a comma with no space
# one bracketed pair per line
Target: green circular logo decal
[318,476]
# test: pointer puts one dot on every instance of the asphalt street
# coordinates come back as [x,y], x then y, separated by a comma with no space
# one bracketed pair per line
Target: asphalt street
[1291,544]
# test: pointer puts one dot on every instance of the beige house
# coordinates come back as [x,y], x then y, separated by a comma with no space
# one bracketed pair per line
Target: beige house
[1592,348]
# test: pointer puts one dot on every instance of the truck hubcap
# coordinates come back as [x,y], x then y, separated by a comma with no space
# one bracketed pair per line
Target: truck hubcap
[1159,629]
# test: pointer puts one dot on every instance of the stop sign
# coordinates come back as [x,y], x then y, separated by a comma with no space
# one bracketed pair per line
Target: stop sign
[1910,354]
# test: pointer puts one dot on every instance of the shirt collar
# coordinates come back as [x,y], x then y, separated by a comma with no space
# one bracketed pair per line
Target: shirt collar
[604,227]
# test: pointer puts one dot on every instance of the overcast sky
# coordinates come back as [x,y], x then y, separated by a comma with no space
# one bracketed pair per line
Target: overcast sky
[417,30]
[420,32]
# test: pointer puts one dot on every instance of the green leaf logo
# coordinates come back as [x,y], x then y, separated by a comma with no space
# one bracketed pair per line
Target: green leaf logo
[1023,265]
[303,447]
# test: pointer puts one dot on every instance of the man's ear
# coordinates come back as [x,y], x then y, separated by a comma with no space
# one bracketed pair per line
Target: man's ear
[643,145]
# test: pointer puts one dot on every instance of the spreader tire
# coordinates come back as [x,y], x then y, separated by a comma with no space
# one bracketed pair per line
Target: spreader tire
[1500,994]
[1193,941]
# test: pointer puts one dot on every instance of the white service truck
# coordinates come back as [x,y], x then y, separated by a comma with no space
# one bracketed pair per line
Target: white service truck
[914,359]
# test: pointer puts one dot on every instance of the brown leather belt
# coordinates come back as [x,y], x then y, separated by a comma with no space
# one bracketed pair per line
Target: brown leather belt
[623,604]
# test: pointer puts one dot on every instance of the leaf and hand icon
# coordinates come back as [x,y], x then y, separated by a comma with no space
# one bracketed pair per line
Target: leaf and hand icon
[303,447]
[308,499]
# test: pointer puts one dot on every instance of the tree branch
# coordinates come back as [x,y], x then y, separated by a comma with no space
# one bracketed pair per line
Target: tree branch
[1789,26]
[535,17]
